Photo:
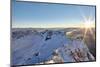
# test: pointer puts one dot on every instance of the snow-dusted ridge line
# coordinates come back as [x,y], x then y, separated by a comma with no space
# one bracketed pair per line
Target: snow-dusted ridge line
[38,47]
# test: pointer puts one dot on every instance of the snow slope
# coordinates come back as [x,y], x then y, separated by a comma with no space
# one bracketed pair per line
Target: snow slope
[35,48]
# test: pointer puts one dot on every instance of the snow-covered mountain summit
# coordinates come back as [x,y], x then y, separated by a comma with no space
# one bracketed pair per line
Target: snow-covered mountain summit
[47,46]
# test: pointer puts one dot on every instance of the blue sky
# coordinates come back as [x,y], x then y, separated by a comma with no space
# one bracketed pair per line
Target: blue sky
[42,15]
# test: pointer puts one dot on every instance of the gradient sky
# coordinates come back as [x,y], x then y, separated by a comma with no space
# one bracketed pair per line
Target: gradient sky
[43,15]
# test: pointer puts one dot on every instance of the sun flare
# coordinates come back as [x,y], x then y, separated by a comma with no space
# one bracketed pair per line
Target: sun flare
[88,23]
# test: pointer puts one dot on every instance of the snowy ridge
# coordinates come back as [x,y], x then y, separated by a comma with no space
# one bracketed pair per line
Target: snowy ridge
[48,47]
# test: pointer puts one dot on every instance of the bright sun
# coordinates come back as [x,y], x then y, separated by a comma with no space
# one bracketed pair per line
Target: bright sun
[88,23]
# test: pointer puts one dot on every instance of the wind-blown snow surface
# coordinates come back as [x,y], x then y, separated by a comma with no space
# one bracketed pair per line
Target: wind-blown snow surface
[38,47]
